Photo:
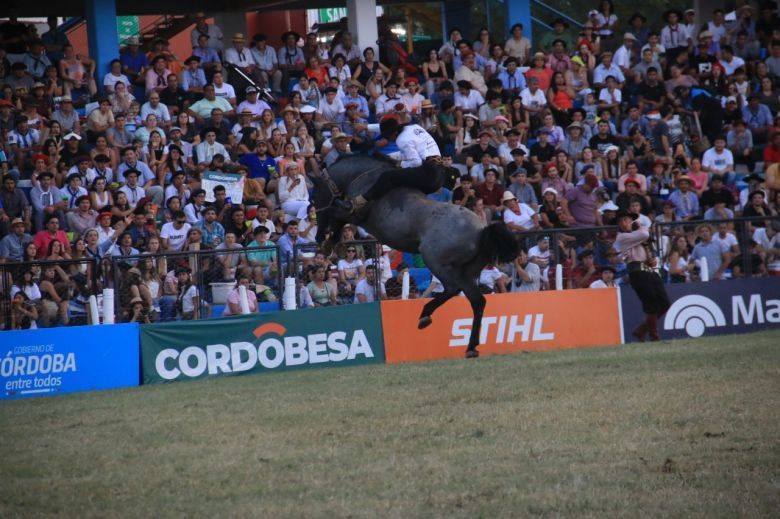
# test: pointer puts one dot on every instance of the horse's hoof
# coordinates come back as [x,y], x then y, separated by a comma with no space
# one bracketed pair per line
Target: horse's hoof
[472,354]
[424,322]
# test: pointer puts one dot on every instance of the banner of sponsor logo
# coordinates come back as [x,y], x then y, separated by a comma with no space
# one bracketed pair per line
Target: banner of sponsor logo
[512,322]
[53,361]
[257,343]
[713,308]
[232,182]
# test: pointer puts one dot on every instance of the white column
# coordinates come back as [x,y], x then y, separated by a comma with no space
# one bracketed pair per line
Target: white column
[361,15]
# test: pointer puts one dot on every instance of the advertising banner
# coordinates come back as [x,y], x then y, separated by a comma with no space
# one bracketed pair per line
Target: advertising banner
[256,343]
[534,321]
[52,361]
[712,308]
[232,182]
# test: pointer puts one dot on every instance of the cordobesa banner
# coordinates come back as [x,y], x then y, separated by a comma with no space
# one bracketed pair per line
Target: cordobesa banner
[531,321]
[257,343]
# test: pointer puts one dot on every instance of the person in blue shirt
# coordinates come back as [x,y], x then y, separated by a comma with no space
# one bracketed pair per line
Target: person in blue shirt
[134,64]
[686,203]
[758,118]
[512,80]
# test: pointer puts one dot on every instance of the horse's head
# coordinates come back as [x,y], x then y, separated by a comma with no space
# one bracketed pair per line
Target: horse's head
[322,196]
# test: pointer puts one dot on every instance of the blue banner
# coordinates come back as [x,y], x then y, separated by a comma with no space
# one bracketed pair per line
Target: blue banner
[712,308]
[52,361]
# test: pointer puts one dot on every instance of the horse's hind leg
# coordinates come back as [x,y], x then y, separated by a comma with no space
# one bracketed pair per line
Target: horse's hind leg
[431,306]
[478,303]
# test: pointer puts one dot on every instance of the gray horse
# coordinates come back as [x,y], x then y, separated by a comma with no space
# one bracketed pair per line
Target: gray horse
[453,242]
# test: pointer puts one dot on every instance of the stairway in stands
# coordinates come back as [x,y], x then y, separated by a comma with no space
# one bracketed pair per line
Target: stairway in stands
[164,26]
[543,14]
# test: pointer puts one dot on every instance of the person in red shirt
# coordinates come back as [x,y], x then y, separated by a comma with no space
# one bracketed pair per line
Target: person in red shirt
[772,152]
[540,71]
[490,192]
[586,272]
[52,232]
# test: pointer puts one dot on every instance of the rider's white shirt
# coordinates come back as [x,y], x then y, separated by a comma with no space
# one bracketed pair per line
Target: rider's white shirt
[416,145]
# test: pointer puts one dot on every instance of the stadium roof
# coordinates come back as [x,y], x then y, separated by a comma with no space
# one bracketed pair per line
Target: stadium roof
[25,8]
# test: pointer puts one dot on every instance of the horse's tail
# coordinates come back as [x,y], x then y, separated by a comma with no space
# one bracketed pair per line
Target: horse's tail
[498,243]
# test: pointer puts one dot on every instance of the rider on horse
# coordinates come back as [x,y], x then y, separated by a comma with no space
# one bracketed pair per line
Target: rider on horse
[418,150]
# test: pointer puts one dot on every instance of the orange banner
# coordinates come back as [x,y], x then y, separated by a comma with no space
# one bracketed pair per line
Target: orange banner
[531,321]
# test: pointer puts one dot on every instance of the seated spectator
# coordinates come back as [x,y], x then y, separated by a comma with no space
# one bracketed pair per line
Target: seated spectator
[233,304]
[686,203]
[518,216]
[321,292]
[491,280]
[394,286]
[365,290]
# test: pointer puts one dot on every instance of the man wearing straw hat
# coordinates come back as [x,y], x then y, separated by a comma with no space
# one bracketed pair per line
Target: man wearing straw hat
[241,57]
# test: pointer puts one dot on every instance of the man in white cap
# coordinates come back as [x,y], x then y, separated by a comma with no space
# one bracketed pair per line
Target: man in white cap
[67,116]
[622,57]
[253,104]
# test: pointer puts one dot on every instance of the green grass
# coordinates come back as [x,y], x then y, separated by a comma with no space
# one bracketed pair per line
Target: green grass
[684,428]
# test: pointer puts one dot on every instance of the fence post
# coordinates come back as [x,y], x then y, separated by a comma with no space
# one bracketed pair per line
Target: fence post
[558,277]
[704,269]
[6,301]
[744,246]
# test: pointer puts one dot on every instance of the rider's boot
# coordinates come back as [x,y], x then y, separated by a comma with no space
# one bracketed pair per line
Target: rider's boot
[358,203]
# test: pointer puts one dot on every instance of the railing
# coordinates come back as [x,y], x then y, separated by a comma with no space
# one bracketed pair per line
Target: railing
[308,257]
[211,274]
[56,292]
[556,12]
[743,264]
[60,290]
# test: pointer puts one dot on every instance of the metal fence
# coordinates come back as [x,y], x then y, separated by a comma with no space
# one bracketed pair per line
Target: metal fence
[565,246]
[193,284]
[747,259]
[48,293]
[336,286]
[549,248]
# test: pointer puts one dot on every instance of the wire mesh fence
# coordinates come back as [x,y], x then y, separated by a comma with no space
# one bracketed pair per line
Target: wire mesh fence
[195,284]
[748,246]
[350,274]
[49,293]
[199,284]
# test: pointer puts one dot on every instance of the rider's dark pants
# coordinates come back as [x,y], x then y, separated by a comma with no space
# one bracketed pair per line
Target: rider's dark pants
[426,178]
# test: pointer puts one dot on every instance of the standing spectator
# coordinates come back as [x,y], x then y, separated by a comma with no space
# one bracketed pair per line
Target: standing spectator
[211,32]
[715,253]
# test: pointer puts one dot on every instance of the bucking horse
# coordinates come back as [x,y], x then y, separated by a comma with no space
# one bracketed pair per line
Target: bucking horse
[452,240]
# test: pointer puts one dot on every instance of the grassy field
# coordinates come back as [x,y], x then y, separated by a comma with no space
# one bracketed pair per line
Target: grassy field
[684,428]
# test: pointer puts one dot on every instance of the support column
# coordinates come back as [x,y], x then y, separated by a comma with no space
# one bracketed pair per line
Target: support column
[101,34]
[457,15]
[231,22]
[362,23]
[519,11]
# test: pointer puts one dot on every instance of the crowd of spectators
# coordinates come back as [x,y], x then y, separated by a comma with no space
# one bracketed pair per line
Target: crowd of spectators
[671,120]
